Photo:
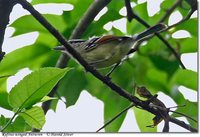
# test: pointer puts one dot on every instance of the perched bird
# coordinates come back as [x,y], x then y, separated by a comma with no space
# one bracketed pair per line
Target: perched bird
[105,51]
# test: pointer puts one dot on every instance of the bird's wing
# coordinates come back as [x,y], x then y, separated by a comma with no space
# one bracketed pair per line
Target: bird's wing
[73,41]
[95,42]
[106,39]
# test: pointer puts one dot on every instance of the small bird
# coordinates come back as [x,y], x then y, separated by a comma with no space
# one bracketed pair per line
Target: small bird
[105,51]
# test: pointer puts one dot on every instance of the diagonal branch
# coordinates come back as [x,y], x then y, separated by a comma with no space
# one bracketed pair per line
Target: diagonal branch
[115,88]
[131,15]
[182,124]
[77,56]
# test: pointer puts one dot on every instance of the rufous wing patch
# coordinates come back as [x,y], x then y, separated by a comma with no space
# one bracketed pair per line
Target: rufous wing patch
[106,39]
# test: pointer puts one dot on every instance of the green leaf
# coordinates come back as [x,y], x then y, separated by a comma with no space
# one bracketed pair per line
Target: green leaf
[166,4]
[134,27]
[176,95]
[3,82]
[3,94]
[35,86]
[189,45]
[46,39]
[144,119]
[53,105]
[22,25]
[71,86]
[19,125]
[152,49]
[190,25]
[80,8]
[30,56]
[4,100]
[34,117]
[141,10]
[113,106]
[3,121]
[47,98]
[157,79]
[193,4]
[187,78]
[51,59]
[47,1]
[113,103]
[165,64]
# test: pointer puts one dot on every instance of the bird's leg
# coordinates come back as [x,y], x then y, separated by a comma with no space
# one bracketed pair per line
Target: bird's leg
[113,68]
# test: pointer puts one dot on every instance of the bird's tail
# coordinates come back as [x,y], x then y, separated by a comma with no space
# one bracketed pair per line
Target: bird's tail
[150,31]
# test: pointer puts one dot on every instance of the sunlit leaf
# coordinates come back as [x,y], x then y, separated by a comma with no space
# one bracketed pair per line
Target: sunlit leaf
[71,86]
[189,25]
[144,119]
[4,100]
[47,1]
[189,45]
[29,56]
[22,25]
[19,125]
[34,117]
[164,64]
[187,78]
[3,121]
[47,98]
[34,87]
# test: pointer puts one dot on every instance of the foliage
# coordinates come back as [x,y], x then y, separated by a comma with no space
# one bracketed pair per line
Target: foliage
[153,66]
[29,92]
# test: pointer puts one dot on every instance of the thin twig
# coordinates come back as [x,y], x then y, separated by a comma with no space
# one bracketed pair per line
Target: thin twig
[115,117]
[170,10]
[5,76]
[182,124]
[181,21]
[177,106]
[179,113]
[131,15]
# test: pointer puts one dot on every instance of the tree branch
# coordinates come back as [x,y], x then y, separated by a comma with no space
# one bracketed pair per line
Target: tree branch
[5,10]
[77,56]
[182,124]
[143,104]
[131,15]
